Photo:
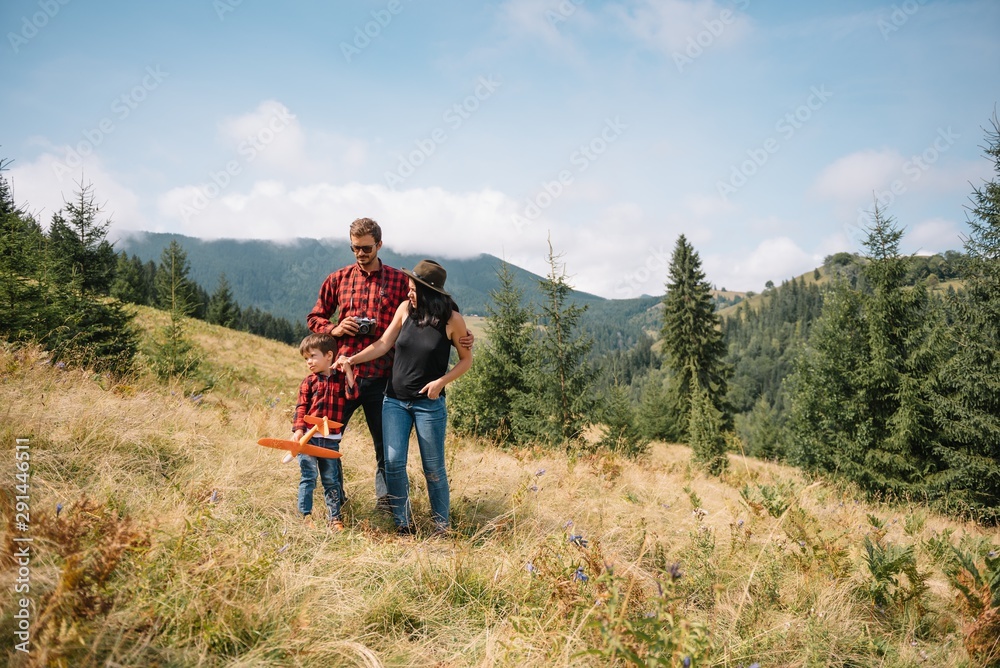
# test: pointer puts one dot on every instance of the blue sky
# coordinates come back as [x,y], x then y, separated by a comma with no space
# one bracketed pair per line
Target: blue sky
[763,131]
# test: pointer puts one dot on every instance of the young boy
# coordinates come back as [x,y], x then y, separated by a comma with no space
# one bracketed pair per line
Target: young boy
[321,395]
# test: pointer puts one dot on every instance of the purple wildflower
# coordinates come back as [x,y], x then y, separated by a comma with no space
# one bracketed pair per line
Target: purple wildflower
[58,509]
[579,541]
[675,571]
[533,488]
[568,524]
[530,567]
[283,548]
[580,575]
[686,662]
[539,472]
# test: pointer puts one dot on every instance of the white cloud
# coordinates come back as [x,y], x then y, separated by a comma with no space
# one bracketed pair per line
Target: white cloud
[45,184]
[674,25]
[545,21]
[270,141]
[933,236]
[855,177]
[775,259]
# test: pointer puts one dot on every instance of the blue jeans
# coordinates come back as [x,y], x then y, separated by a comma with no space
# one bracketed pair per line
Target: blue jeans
[328,471]
[430,417]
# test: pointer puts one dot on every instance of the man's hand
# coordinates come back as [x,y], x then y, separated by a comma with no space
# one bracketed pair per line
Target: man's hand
[346,327]
[467,340]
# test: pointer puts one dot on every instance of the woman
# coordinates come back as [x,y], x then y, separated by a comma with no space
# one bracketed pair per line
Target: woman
[423,330]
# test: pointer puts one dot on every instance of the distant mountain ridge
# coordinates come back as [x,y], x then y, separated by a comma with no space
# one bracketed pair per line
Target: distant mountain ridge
[283,278]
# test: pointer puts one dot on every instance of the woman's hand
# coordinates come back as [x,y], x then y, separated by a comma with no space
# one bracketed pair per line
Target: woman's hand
[343,363]
[433,389]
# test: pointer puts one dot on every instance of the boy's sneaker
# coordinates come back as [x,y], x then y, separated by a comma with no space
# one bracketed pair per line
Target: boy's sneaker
[408,530]
[308,521]
[383,505]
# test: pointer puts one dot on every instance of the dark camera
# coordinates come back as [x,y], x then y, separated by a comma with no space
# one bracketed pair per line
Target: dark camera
[365,325]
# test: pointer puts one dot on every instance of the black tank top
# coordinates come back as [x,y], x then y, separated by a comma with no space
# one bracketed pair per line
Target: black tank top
[422,355]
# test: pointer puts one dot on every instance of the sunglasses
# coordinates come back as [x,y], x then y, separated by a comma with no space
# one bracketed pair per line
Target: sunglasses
[363,249]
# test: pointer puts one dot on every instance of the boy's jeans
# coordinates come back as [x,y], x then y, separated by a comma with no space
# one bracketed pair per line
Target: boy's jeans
[430,418]
[328,471]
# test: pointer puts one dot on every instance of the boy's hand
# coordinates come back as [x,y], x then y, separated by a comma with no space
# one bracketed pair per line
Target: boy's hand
[297,435]
[342,363]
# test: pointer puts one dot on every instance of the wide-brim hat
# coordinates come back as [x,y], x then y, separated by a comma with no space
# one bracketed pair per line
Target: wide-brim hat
[430,274]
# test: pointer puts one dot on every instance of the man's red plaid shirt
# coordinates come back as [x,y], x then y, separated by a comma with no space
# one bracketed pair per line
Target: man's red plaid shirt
[351,292]
[320,396]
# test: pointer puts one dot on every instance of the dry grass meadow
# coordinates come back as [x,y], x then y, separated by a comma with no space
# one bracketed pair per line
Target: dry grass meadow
[163,535]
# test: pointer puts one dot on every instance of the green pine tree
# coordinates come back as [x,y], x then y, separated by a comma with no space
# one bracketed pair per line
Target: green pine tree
[705,434]
[131,283]
[967,392]
[79,253]
[482,401]
[222,308]
[173,353]
[861,392]
[555,406]
[25,312]
[620,432]
[660,414]
[692,338]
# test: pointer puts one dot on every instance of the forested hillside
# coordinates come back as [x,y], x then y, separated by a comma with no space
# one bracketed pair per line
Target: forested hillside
[283,278]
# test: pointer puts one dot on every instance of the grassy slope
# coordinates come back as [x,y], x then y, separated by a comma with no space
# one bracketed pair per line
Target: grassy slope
[223,573]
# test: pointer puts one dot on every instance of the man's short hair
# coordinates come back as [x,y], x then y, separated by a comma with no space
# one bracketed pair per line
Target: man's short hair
[324,343]
[365,226]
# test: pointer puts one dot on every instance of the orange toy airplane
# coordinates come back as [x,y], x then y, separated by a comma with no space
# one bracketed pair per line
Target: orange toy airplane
[322,425]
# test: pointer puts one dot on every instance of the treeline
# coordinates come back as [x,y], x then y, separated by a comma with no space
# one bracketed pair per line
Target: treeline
[135,283]
[54,285]
[64,288]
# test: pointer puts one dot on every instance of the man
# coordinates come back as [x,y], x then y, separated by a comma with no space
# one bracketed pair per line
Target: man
[364,297]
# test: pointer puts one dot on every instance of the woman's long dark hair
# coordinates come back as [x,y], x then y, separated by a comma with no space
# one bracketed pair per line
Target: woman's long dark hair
[433,308]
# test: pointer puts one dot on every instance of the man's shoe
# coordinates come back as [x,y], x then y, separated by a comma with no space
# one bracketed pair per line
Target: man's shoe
[336,525]
[408,530]
[383,505]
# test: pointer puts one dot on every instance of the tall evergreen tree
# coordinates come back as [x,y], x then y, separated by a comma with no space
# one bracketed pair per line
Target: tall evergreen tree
[705,433]
[482,400]
[556,405]
[222,308]
[132,283]
[79,251]
[692,338]
[173,353]
[620,432]
[967,393]
[24,308]
[175,291]
[861,391]
[660,414]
